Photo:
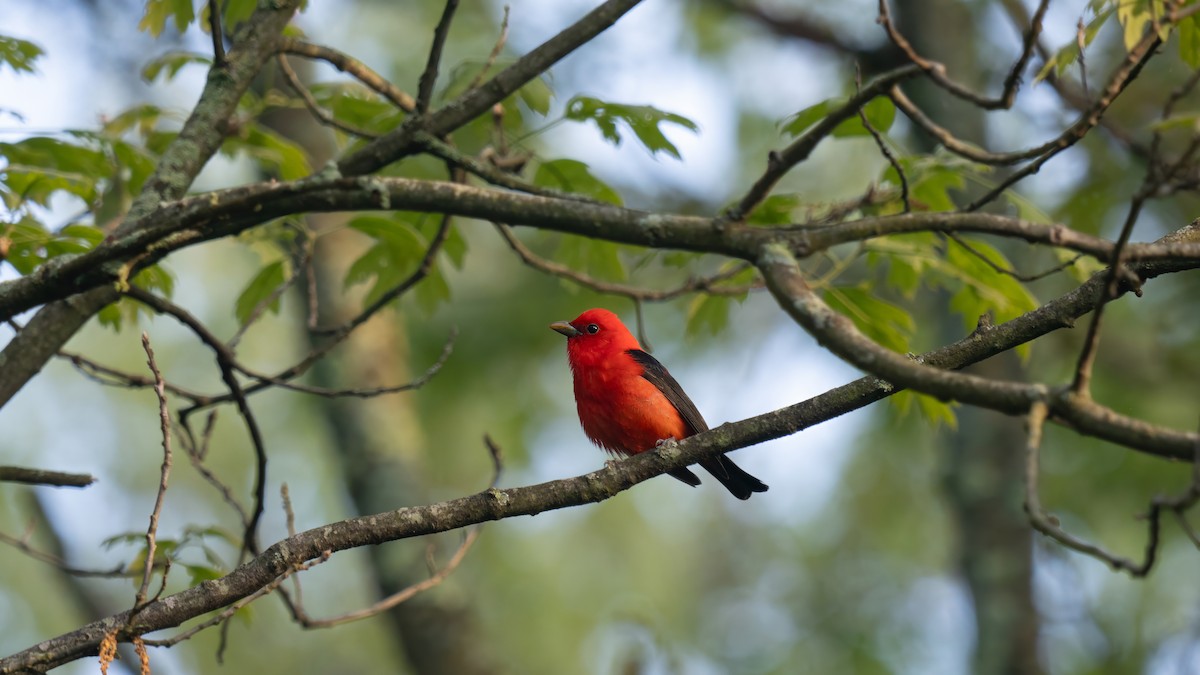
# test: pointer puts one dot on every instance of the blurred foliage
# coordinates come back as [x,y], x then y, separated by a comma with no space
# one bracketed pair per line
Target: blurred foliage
[860,578]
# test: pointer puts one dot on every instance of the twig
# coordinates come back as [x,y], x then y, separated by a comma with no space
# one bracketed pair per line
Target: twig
[164,418]
[351,65]
[233,608]
[1122,76]
[322,115]
[111,377]
[779,163]
[429,76]
[710,284]
[491,173]
[20,474]
[226,363]
[937,71]
[22,545]
[218,36]
[197,450]
[999,269]
[1049,526]
[400,596]
[339,332]
[882,145]
[497,455]
[494,54]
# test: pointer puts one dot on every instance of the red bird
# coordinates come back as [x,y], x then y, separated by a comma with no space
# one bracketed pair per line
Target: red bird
[628,402]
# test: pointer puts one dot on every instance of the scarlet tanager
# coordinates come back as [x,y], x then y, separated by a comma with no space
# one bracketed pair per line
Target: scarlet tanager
[628,402]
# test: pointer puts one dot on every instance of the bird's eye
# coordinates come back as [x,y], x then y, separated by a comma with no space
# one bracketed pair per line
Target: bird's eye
[593,328]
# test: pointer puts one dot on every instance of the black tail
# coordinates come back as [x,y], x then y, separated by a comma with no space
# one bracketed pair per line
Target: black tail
[739,483]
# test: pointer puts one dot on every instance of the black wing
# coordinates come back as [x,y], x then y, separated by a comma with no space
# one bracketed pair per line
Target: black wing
[737,481]
[656,373]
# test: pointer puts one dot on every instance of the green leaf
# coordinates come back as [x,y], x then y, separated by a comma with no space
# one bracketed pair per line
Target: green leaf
[934,411]
[18,54]
[570,175]
[1069,54]
[985,290]
[536,95]
[775,210]
[268,279]
[40,166]
[880,112]
[273,151]
[1135,17]
[800,122]
[709,313]
[198,574]
[596,258]
[642,120]
[110,316]
[878,319]
[433,290]
[1189,40]
[393,258]
[354,104]
[153,278]
[171,63]
[158,12]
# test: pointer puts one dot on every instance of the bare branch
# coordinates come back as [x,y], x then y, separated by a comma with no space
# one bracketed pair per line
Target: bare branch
[19,474]
[937,71]
[1049,526]
[429,77]
[164,417]
[353,67]
[227,364]
[322,115]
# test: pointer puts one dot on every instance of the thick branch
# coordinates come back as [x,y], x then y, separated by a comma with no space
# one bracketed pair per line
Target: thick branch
[222,213]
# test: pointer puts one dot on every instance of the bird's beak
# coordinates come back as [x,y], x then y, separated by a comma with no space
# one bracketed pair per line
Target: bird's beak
[564,328]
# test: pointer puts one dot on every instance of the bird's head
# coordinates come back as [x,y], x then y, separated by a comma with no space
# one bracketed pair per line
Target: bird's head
[596,332]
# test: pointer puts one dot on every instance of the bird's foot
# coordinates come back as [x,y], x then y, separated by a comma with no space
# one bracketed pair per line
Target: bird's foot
[666,442]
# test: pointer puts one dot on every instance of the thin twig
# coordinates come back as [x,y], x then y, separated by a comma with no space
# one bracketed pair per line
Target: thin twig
[310,102]
[1047,525]
[218,36]
[937,71]
[233,608]
[883,147]
[1000,269]
[402,595]
[22,545]
[226,363]
[711,284]
[494,54]
[354,67]
[429,76]
[111,377]
[1122,76]
[164,418]
[779,163]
